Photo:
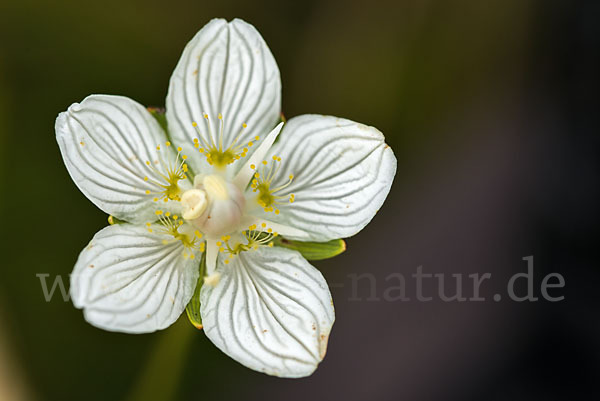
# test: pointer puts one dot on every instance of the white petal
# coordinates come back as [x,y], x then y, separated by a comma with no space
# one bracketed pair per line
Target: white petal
[105,142]
[127,280]
[226,68]
[243,176]
[342,170]
[271,311]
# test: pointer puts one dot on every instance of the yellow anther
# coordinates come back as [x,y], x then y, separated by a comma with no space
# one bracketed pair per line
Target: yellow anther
[167,174]
[217,153]
[244,125]
[171,226]
[194,124]
[262,183]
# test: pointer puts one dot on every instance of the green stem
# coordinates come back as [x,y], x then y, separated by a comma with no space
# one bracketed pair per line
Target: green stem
[161,374]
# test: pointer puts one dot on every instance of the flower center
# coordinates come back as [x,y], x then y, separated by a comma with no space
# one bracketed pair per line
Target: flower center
[261,183]
[254,239]
[173,226]
[215,206]
[172,171]
[216,153]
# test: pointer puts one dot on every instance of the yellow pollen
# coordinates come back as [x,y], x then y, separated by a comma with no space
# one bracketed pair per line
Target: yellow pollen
[217,154]
[254,240]
[171,227]
[166,175]
[267,195]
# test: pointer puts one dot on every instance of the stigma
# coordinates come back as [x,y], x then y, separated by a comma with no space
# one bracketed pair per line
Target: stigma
[218,154]
[214,206]
[174,226]
[173,170]
[263,177]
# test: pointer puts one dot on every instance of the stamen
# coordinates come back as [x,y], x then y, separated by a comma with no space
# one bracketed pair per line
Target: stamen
[255,238]
[173,171]
[173,226]
[214,150]
[261,183]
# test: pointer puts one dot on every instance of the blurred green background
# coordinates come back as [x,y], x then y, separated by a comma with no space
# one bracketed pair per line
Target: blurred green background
[485,105]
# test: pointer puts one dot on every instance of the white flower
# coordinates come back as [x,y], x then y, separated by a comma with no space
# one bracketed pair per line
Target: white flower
[219,185]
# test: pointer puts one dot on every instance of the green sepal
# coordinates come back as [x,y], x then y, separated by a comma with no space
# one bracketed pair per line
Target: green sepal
[112,220]
[313,250]
[159,114]
[193,307]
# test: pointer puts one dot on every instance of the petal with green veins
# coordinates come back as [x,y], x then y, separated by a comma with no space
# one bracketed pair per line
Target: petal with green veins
[128,280]
[109,145]
[342,173]
[271,311]
[225,69]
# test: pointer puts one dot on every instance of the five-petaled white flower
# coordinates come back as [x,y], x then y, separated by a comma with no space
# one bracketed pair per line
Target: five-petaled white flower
[215,183]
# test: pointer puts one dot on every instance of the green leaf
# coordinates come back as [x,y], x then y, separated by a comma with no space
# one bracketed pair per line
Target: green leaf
[314,250]
[160,116]
[193,307]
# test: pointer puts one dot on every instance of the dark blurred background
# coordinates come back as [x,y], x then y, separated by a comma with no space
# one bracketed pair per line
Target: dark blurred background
[490,107]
